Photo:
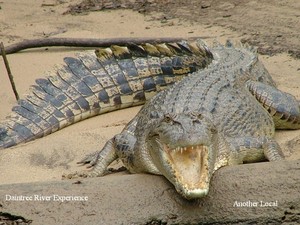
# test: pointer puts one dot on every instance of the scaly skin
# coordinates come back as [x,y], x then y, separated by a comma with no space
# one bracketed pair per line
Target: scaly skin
[98,82]
[223,115]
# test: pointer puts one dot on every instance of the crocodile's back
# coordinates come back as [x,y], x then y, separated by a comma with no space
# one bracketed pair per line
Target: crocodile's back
[98,82]
[219,93]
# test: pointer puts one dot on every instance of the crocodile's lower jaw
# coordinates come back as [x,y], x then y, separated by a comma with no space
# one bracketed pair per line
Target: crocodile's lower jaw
[190,166]
[194,193]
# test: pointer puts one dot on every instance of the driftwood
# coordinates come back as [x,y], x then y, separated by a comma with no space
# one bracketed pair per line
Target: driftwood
[261,193]
[10,76]
[72,42]
[83,42]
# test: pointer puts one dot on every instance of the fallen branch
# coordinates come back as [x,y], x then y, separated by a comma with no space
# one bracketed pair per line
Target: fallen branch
[83,42]
[10,76]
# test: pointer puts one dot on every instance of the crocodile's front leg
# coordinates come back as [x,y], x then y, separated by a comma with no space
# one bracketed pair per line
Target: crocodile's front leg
[100,160]
[283,107]
[121,146]
[253,149]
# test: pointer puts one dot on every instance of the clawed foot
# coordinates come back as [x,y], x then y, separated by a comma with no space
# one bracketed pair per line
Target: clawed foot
[96,167]
[85,174]
[75,175]
[90,160]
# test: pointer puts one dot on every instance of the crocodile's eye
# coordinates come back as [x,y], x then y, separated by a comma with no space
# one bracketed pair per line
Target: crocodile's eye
[168,118]
[196,116]
[214,130]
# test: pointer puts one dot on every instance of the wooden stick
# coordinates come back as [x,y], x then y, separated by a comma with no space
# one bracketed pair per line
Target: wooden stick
[84,42]
[10,76]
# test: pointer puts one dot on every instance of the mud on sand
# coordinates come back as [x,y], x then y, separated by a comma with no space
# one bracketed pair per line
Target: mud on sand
[270,25]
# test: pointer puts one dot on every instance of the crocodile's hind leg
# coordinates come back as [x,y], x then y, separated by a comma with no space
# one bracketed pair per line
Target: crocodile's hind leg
[254,149]
[283,107]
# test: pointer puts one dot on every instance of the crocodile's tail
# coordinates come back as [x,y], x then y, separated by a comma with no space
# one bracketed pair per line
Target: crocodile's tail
[98,82]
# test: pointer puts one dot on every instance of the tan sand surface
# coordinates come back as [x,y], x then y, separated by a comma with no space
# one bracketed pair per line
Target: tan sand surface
[48,158]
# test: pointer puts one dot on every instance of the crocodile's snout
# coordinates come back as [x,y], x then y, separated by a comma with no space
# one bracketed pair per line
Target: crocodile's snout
[191,169]
[181,149]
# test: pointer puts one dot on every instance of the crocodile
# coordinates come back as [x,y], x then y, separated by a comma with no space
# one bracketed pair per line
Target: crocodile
[225,114]
[96,82]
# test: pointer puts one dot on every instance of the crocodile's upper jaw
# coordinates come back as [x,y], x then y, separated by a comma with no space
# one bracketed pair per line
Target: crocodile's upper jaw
[189,168]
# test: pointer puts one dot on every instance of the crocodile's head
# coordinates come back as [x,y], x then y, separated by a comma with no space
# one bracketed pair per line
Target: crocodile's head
[183,149]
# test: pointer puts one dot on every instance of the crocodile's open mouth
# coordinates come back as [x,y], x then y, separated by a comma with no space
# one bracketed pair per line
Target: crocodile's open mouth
[190,168]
